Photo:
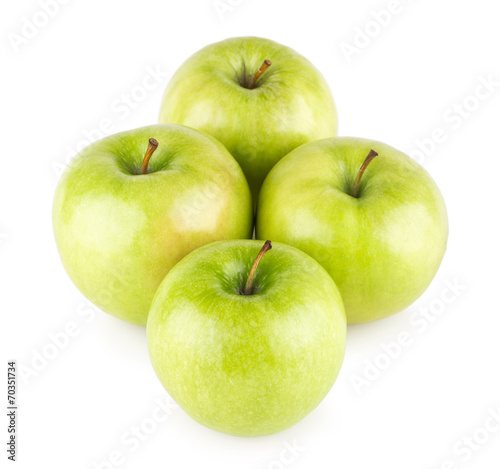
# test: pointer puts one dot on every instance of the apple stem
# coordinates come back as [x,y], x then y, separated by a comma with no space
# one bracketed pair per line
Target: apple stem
[249,285]
[260,71]
[152,146]
[365,164]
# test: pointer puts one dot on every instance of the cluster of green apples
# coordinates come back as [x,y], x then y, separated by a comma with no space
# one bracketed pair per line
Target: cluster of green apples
[154,226]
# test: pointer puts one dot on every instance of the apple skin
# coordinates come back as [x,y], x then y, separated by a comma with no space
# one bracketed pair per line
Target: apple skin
[290,105]
[247,365]
[383,248]
[119,232]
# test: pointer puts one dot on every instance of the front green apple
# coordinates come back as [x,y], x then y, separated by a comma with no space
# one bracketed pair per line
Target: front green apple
[119,231]
[382,242]
[247,343]
[259,98]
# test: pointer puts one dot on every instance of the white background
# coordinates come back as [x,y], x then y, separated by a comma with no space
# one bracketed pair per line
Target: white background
[404,83]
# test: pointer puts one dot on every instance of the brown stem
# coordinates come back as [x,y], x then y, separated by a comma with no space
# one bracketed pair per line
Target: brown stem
[365,164]
[249,285]
[260,71]
[152,146]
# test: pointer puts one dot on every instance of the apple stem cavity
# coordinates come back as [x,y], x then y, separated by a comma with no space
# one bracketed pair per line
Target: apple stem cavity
[152,146]
[365,164]
[249,285]
[260,71]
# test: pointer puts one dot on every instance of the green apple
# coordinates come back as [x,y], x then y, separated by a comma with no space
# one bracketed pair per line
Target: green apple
[259,98]
[379,228]
[123,216]
[246,343]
